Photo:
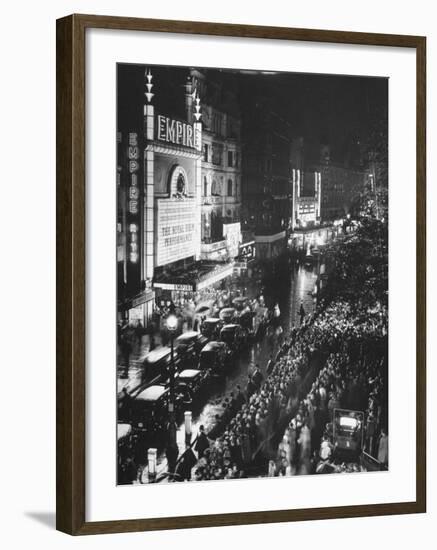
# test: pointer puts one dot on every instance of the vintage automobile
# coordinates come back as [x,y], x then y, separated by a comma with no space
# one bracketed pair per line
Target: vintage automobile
[211,327]
[247,322]
[189,384]
[348,432]
[156,365]
[240,303]
[228,315]
[149,407]
[234,336]
[188,346]
[215,357]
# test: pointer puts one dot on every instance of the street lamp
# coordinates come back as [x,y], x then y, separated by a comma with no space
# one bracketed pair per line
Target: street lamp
[172,323]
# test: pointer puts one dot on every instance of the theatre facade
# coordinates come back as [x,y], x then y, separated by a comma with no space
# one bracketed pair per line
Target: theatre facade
[159,186]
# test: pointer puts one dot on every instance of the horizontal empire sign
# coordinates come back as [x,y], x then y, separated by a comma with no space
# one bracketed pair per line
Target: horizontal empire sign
[178,132]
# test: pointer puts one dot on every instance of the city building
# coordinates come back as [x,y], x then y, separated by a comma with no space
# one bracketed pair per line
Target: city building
[266,178]
[221,166]
[161,240]
[341,185]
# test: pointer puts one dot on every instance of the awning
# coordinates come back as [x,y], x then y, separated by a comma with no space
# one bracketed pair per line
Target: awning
[200,275]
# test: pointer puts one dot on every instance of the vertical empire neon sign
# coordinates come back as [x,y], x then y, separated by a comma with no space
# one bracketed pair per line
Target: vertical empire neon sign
[133,198]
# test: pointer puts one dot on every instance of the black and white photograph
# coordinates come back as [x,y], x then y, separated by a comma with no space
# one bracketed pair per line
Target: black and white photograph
[252,274]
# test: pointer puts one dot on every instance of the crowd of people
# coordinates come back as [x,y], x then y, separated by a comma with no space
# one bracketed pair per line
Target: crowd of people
[351,350]
[351,379]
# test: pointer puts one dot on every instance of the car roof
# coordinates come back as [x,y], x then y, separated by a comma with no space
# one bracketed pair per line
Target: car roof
[230,326]
[212,346]
[157,354]
[152,393]
[190,334]
[123,430]
[188,373]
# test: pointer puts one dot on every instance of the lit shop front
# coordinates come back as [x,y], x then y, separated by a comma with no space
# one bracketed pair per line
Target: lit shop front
[195,284]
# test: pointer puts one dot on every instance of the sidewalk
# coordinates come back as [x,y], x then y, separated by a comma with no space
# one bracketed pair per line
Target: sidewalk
[136,359]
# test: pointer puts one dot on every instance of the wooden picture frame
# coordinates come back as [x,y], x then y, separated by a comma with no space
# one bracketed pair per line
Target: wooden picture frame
[71,247]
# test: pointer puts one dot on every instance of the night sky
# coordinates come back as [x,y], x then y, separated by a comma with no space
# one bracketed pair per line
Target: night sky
[324,109]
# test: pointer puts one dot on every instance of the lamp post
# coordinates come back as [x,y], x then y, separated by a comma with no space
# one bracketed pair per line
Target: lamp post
[172,451]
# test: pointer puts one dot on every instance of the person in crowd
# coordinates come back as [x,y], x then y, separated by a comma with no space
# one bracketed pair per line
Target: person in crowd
[139,333]
[239,398]
[270,365]
[202,442]
[302,313]
[171,454]
[383,448]
[185,465]
[257,377]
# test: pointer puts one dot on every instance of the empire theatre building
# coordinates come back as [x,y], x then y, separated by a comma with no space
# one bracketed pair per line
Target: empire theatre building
[159,195]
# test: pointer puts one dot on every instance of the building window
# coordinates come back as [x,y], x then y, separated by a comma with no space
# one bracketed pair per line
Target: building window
[229,188]
[205,152]
[205,187]
[230,159]
[217,153]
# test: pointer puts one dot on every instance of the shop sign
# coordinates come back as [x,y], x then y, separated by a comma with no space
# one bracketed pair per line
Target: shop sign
[174,286]
[142,298]
[177,132]
[247,250]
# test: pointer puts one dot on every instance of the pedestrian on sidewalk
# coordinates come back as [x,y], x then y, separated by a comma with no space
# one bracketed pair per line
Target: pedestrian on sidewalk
[126,350]
[152,344]
[139,332]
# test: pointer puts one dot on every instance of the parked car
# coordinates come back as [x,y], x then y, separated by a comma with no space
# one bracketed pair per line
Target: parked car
[189,384]
[215,357]
[156,365]
[240,302]
[211,327]
[149,407]
[228,315]
[234,336]
[188,346]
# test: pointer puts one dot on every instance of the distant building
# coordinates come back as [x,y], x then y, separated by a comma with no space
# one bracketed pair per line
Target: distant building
[306,199]
[341,185]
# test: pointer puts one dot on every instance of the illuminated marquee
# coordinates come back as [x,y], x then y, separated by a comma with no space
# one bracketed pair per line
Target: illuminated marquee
[177,132]
[176,231]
